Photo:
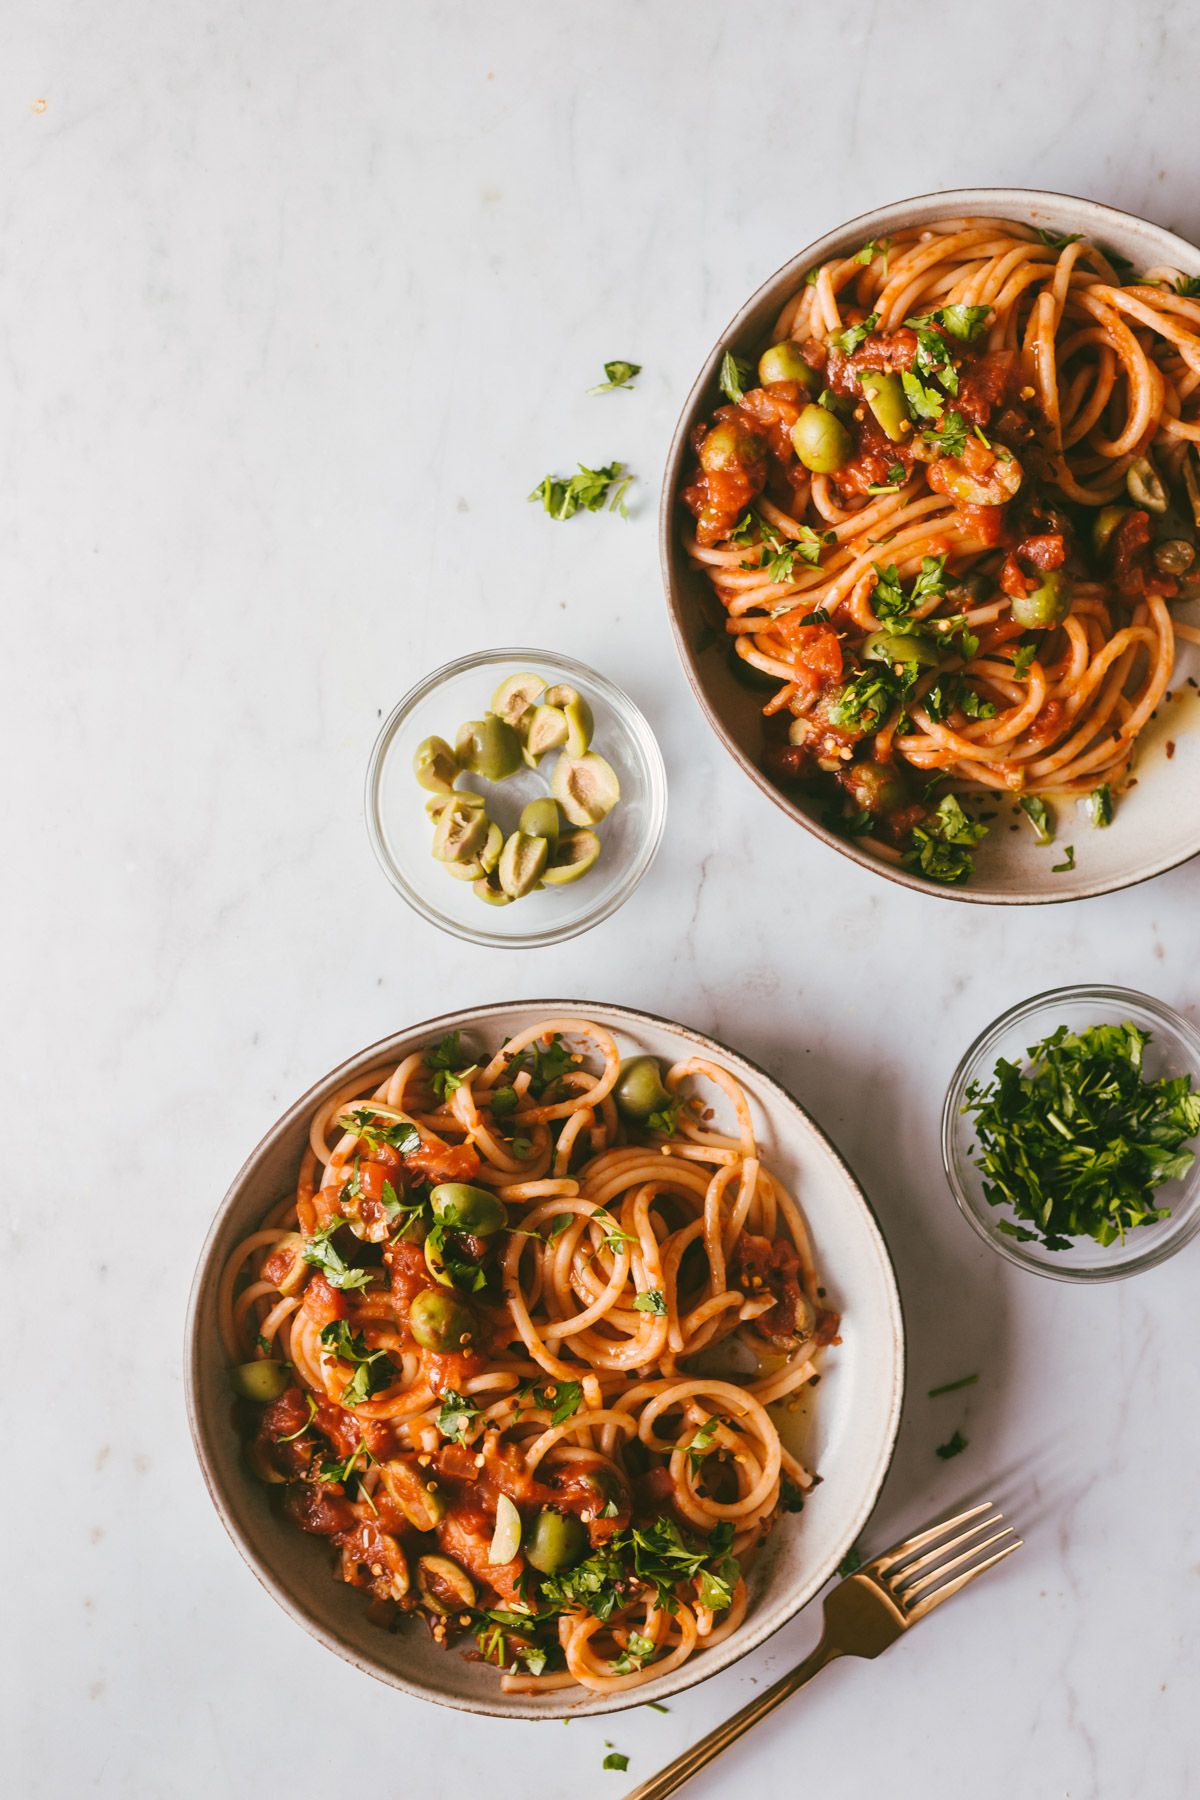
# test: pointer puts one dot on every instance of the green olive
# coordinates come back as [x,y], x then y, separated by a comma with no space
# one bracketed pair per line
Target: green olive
[489,856]
[1104,525]
[462,797]
[421,1504]
[435,765]
[466,871]
[461,833]
[540,819]
[783,362]
[489,747]
[516,695]
[556,1542]
[545,730]
[444,1587]
[494,896]
[873,788]
[969,591]
[521,863]
[467,1208]
[1174,556]
[820,441]
[586,787]
[1047,605]
[731,445]
[440,1322]
[603,1486]
[885,397]
[578,715]
[1145,485]
[573,856]
[901,647]
[639,1090]
[261,1381]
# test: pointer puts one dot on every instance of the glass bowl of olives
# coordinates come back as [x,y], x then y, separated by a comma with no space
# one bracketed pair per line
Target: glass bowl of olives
[515,797]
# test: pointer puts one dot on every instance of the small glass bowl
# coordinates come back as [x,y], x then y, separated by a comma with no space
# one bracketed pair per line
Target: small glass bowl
[402,831]
[1174,1049]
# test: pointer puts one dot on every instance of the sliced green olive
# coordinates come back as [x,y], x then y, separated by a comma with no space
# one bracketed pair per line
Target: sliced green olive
[1103,526]
[460,797]
[873,788]
[516,695]
[440,1322]
[467,1208]
[954,478]
[494,896]
[1145,485]
[461,833]
[489,856]
[546,730]
[901,647]
[261,1381]
[783,362]
[574,855]
[466,871]
[540,819]
[885,397]
[1174,556]
[261,1464]
[421,1504]
[506,1539]
[578,715]
[489,747]
[639,1090]
[521,863]
[435,765]
[1047,605]
[586,787]
[557,1541]
[444,1587]
[731,445]
[970,591]
[820,441]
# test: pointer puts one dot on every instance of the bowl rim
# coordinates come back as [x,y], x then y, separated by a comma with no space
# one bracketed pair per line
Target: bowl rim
[988,202]
[1010,1249]
[637,728]
[207,1273]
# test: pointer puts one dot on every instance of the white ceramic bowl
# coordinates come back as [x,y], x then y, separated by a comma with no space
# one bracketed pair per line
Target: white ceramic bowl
[847,1426]
[1158,823]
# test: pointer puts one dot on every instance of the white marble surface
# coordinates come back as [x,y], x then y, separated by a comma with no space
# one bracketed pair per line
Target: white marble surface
[298,303]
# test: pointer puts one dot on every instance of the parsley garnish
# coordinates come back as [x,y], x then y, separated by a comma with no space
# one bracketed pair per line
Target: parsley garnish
[925,402]
[620,375]
[963,322]
[876,247]
[735,373]
[849,339]
[812,278]
[1063,868]
[950,437]
[955,1447]
[1039,816]
[952,1387]
[865,700]
[375,1369]
[467,1276]
[342,1471]
[1099,806]
[652,1301]
[1056,242]
[1076,1144]
[950,691]
[545,1067]
[562,1404]
[1187,286]
[585,492]
[941,844]
[933,352]
[637,1652]
[614,1760]
[1022,659]
[668,1119]
[319,1253]
[312,1413]
[702,1443]
[850,1562]
[456,1416]
[400,1134]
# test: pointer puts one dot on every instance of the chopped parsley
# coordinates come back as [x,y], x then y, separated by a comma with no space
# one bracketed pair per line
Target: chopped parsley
[1064,868]
[636,1654]
[342,1471]
[1099,806]
[951,691]
[950,437]
[300,1430]
[925,402]
[398,1134]
[955,1447]
[941,847]
[952,1387]
[585,492]
[456,1416]
[963,322]
[865,700]
[614,1760]
[850,1562]
[933,358]
[565,1400]
[652,1301]
[545,1067]
[1057,242]
[1024,656]
[702,1443]
[876,247]
[374,1369]
[441,1254]
[1187,286]
[619,375]
[668,1119]
[1076,1143]
[849,339]
[320,1253]
[1039,816]
[735,373]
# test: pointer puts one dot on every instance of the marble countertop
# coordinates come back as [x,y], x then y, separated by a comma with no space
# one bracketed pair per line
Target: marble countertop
[298,304]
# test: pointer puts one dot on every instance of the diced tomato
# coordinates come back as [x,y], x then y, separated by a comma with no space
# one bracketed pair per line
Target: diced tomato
[322,1302]
[1132,570]
[985,382]
[817,651]
[465,1533]
[313,1508]
[442,1162]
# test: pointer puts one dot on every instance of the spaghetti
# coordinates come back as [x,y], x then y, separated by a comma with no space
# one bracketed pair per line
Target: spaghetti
[512,1345]
[945,528]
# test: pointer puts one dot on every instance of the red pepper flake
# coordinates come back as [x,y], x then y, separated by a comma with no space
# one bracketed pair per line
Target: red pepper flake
[1170,748]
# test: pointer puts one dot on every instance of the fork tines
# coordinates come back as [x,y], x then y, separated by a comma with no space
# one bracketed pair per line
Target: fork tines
[918,1582]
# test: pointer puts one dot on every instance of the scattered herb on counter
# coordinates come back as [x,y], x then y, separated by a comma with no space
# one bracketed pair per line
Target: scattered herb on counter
[620,375]
[655,1707]
[585,492]
[955,1447]
[1039,816]
[850,1562]
[1077,1144]
[952,1387]
[614,1760]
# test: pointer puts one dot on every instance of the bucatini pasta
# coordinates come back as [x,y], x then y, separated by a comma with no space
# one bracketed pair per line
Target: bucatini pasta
[512,1348]
[945,526]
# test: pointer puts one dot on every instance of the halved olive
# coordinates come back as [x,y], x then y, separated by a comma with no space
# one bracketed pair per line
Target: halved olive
[1103,526]
[435,765]
[578,715]
[1145,485]
[731,445]
[494,896]
[521,863]
[440,1322]
[901,647]
[516,695]
[540,819]
[467,1208]
[783,362]
[466,871]
[262,1381]
[1174,556]
[639,1090]
[885,397]
[462,797]
[488,747]
[557,1541]
[820,441]
[261,1464]
[1047,605]
[489,856]
[462,832]
[421,1504]
[970,591]
[574,855]
[444,1586]
[546,730]
[506,1539]
[586,787]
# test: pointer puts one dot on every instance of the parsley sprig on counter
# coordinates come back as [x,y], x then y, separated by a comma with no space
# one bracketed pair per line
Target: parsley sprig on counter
[1077,1143]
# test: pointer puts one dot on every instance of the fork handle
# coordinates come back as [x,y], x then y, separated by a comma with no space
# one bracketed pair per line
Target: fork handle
[692,1761]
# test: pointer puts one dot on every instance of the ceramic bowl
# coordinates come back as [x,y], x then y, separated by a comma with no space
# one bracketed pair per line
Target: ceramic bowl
[1158,822]
[847,1425]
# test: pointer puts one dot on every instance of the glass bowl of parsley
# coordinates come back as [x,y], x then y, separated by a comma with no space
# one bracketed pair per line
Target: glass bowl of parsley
[1069,1133]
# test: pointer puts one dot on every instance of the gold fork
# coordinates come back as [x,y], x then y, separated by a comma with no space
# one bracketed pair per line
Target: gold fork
[863,1615]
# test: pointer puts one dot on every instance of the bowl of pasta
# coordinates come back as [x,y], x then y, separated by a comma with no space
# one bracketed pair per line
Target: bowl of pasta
[929,540]
[544,1360]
